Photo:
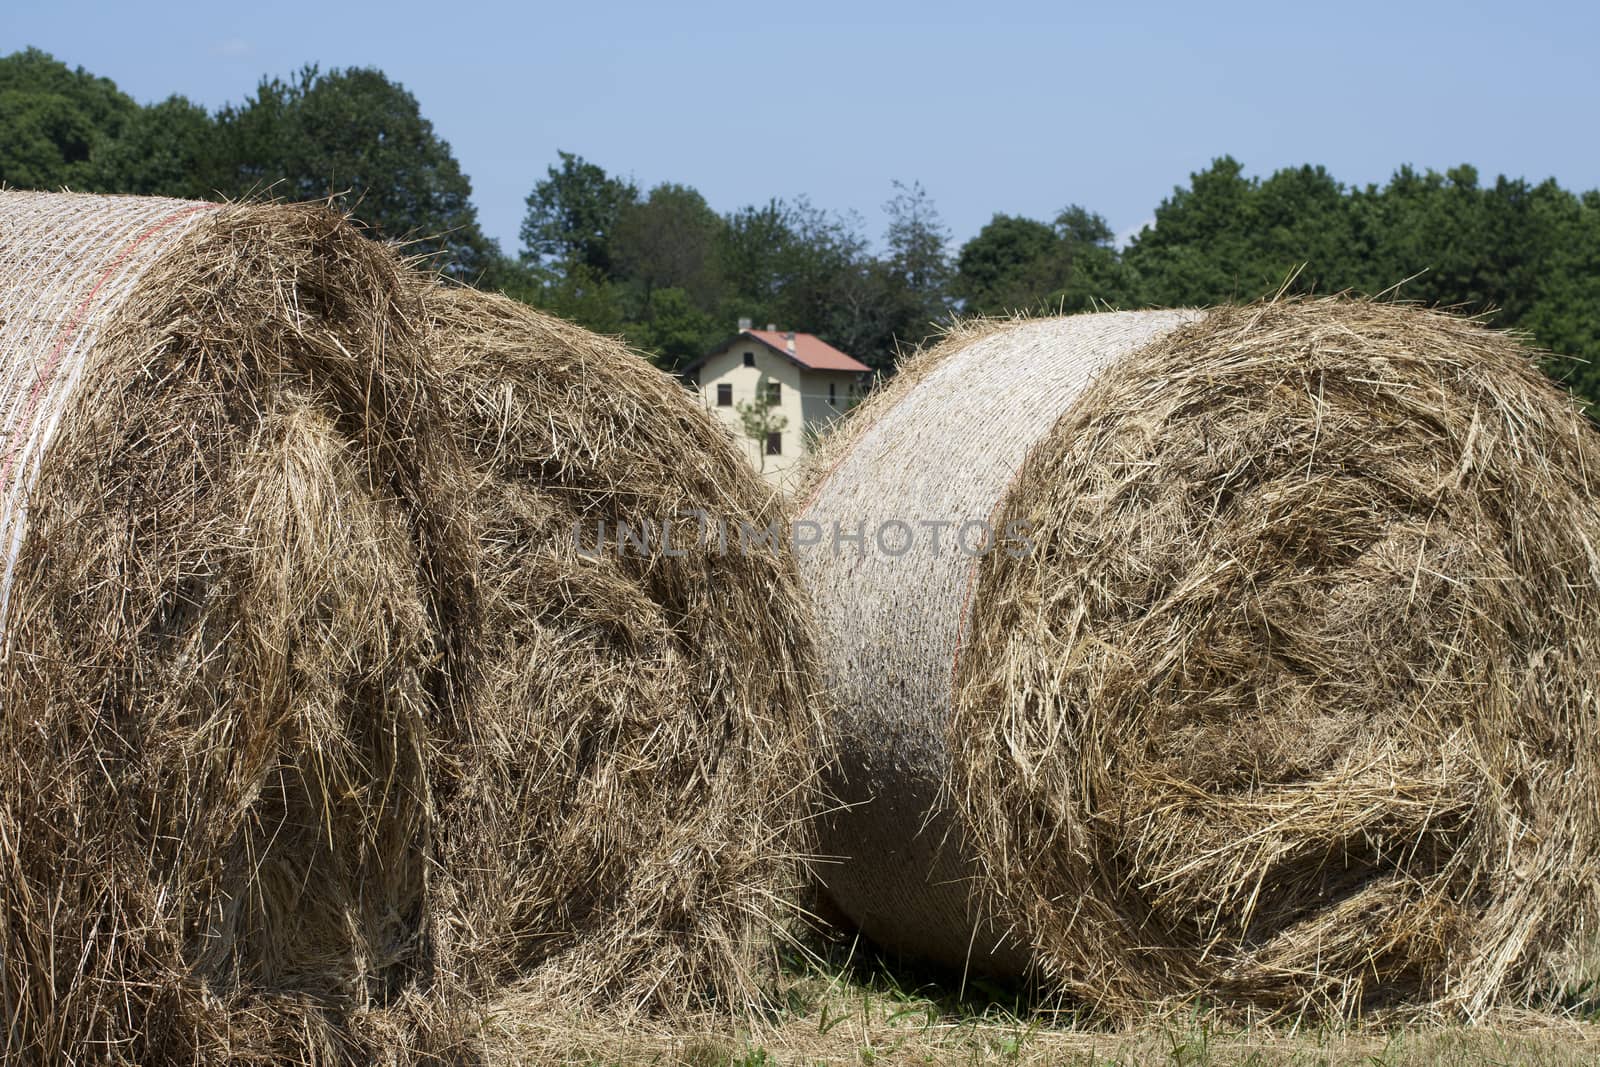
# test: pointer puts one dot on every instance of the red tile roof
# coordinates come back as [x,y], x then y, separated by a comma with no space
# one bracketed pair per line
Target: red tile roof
[810,351]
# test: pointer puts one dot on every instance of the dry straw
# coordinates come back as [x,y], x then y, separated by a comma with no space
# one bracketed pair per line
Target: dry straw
[238,559]
[1289,706]
[315,731]
[627,820]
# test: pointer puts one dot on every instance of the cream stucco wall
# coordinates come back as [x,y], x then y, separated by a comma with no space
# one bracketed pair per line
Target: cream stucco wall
[803,401]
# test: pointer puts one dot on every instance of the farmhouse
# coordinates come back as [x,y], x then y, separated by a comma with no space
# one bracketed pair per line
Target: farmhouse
[796,383]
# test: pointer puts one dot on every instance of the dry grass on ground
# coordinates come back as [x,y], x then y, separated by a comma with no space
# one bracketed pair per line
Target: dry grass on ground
[846,1011]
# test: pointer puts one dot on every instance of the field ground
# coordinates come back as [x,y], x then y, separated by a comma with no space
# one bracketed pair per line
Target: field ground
[846,1013]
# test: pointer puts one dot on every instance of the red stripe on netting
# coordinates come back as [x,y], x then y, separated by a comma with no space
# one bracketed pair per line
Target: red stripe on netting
[53,362]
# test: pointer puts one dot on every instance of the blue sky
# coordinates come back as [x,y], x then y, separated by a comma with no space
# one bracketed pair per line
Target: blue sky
[995,106]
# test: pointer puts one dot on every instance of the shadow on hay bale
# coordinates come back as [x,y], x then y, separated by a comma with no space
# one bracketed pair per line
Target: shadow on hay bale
[313,728]
[1277,689]
[629,815]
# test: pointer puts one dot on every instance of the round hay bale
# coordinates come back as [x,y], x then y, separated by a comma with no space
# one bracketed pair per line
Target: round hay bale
[235,586]
[1276,689]
[629,811]
[938,445]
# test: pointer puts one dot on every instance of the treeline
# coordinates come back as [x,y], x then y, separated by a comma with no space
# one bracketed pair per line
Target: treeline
[664,268]
[352,134]
[674,276]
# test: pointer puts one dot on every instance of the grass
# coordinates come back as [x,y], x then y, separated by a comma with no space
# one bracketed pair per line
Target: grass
[843,1006]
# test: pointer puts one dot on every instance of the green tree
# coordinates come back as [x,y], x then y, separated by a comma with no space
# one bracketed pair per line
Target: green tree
[1456,242]
[669,240]
[918,243]
[359,138]
[1019,264]
[792,263]
[917,272]
[1565,311]
[1229,237]
[1008,266]
[673,327]
[1524,255]
[572,217]
[1089,267]
[575,294]
[1305,223]
[751,253]
[759,417]
[55,121]
[664,262]
[796,265]
[165,149]
[829,287]
[1200,250]
[1422,230]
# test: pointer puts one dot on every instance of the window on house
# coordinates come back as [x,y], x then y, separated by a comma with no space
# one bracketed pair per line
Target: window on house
[725,395]
[774,392]
[775,443]
[833,394]
[749,359]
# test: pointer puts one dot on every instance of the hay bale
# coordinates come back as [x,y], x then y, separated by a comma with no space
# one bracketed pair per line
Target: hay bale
[235,565]
[283,778]
[628,815]
[940,443]
[1282,697]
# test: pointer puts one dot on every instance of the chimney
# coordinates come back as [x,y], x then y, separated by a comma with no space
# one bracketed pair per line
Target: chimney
[790,339]
[744,324]
[772,327]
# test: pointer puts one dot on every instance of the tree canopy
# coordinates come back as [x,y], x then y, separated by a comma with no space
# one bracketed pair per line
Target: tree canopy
[56,123]
[352,135]
[359,138]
